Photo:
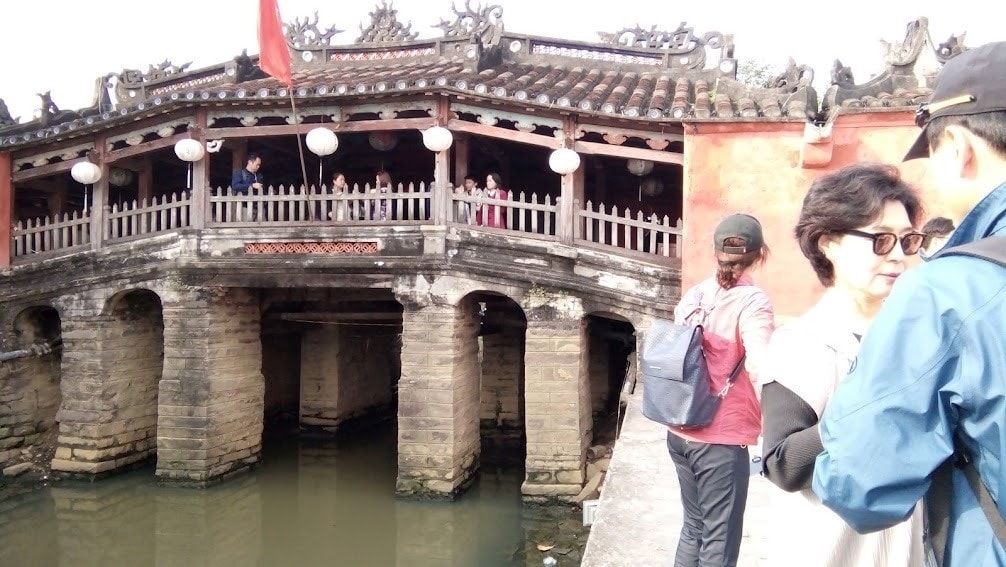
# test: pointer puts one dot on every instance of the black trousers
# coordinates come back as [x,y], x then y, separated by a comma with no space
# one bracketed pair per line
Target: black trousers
[714,492]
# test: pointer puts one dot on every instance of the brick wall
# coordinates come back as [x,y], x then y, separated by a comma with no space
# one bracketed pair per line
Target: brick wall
[29,387]
[501,414]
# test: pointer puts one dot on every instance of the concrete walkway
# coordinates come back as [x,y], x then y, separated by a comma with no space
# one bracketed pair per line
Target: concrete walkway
[639,516]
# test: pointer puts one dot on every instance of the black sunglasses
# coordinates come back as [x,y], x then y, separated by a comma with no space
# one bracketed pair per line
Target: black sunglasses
[883,242]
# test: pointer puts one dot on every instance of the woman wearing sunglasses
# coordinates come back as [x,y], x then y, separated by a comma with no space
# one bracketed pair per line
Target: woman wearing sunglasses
[857,228]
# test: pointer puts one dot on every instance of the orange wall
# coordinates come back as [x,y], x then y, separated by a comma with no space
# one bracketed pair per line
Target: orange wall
[756,168]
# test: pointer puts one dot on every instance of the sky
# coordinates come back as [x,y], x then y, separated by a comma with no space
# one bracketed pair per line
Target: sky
[79,41]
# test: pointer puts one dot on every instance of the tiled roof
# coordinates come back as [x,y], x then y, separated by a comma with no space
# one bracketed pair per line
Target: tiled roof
[667,83]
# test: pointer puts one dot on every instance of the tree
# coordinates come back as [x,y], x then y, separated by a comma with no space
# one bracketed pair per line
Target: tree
[755,74]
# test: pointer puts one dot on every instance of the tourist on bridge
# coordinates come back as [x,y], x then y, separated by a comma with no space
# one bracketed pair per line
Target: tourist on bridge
[493,216]
[856,228]
[712,462]
[245,179]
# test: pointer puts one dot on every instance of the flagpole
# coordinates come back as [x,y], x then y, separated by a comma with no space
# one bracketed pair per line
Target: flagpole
[300,149]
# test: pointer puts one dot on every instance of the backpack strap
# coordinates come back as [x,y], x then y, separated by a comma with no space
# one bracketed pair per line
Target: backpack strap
[939,498]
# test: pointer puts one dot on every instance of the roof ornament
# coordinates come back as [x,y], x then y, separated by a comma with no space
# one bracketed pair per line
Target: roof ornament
[5,118]
[307,35]
[681,40]
[245,69]
[841,75]
[384,26]
[483,22]
[49,113]
[156,72]
[951,48]
[900,53]
[794,77]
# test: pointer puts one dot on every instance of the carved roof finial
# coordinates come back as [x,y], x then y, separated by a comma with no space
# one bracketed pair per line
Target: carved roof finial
[5,118]
[905,52]
[486,23]
[384,26]
[307,34]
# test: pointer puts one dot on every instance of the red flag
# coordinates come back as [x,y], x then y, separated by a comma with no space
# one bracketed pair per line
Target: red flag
[274,55]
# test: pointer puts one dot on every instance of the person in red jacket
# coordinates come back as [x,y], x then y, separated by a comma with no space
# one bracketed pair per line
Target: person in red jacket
[712,462]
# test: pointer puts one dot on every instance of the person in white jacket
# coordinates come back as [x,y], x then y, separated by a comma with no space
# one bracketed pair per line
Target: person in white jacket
[857,229]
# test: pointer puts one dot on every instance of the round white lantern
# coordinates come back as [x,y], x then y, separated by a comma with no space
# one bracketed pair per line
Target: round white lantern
[189,150]
[564,161]
[640,167]
[322,141]
[437,138]
[85,172]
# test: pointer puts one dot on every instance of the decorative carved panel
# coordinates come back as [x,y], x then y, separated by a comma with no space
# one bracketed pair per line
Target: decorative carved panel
[335,248]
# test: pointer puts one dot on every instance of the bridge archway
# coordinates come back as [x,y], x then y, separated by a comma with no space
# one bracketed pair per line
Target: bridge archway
[32,383]
[500,337]
[133,353]
[331,358]
[611,350]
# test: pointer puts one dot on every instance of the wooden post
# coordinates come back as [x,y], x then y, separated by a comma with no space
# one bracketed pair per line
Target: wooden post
[99,197]
[571,188]
[6,209]
[199,203]
[145,181]
[461,145]
[239,155]
[441,199]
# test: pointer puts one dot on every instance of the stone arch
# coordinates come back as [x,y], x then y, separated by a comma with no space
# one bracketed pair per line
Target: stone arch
[31,382]
[612,348]
[133,357]
[500,340]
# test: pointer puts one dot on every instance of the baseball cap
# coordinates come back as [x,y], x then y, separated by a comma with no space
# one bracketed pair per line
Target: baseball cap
[740,226]
[971,83]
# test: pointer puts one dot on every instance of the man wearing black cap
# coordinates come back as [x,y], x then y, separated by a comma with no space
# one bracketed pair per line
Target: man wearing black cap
[923,411]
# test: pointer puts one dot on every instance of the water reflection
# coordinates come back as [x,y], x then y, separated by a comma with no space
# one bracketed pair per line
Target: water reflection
[311,503]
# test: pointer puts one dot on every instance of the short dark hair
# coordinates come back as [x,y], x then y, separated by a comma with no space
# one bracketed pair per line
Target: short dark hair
[938,226]
[472,177]
[252,156]
[989,126]
[497,178]
[848,199]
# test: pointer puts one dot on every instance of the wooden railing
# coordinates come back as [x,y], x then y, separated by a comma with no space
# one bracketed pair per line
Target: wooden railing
[408,204]
[137,219]
[522,213]
[518,213]
[638,233]
[69,231]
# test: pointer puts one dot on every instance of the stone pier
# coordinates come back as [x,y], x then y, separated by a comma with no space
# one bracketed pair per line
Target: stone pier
[211,395]
[557,392]
[438,399]
[111,367]
[347,372]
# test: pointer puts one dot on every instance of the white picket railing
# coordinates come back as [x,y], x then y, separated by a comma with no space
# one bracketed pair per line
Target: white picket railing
[136,219]
[639,233]
[68,231]
[518,213]
[408,204]
[526,213]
